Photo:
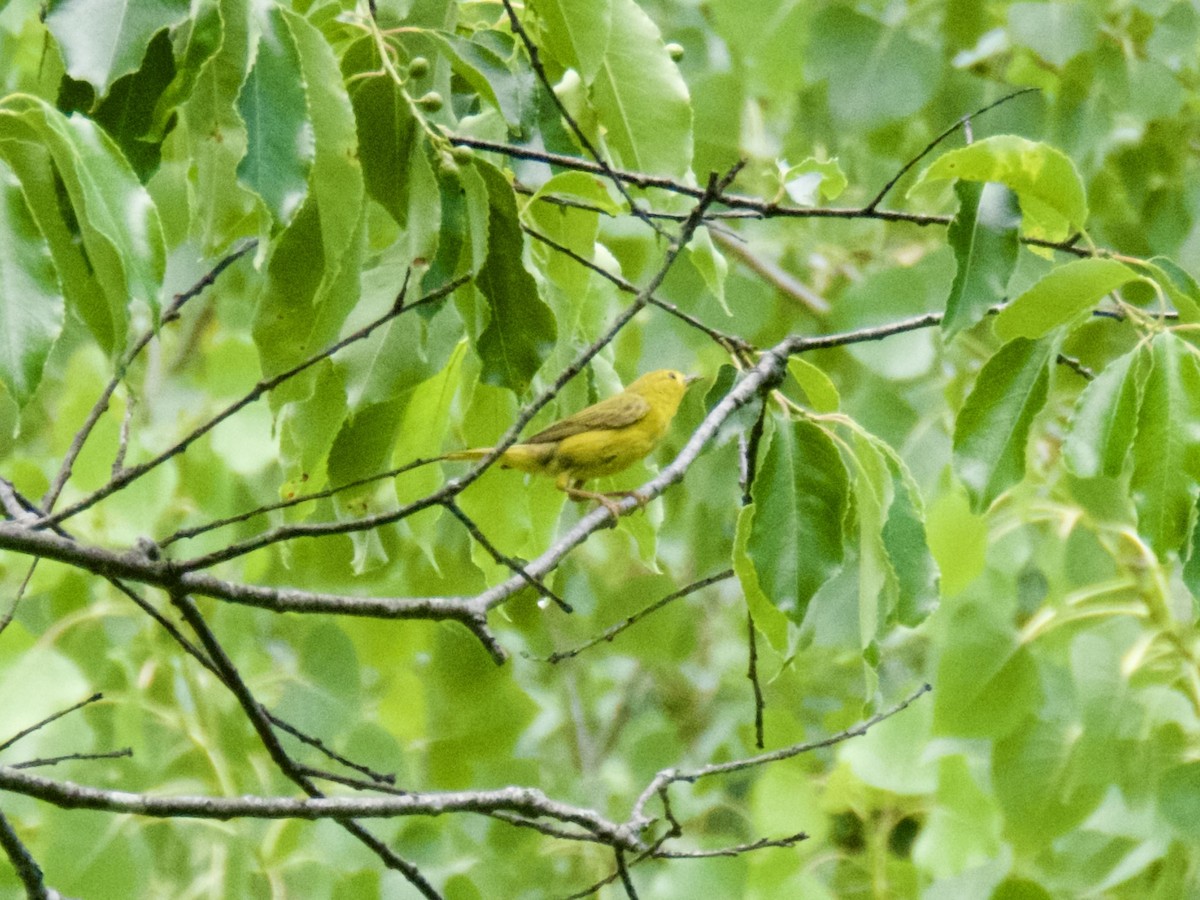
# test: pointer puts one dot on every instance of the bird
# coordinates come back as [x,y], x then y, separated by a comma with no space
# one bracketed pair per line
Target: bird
[602,439]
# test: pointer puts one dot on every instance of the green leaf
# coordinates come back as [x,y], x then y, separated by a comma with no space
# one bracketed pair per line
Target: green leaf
[387,138]
[963,824]
[987,683]
[640,97]
[522,329]
[101,40]
[575,33]
[876,74]
[958,540]
[984,236]
[1166,449]
[711,265]
[85,295]
[1105,418]
[878,589]
[130,113]
[1178,285]
[116,217]
[993,425]
[800,497]
[487,73]
[908,550]
[1179,799]
[813,181]
[337,174]
[279,132]
[1053,202]
[1044,786]
[31,304]
[224,208]
[567,226]
[1060,296]
[822,396]
[768,618]
[1057,32]
[1191,569]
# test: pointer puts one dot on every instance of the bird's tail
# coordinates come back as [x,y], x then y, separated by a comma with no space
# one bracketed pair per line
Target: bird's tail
[476,453]
[525,457]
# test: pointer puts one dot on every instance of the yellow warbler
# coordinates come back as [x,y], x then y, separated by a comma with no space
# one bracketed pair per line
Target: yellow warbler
[602,439]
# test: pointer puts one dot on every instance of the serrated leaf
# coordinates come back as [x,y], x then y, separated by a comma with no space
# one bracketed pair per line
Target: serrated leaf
[768,618]
[987,682]
[641,99]
[224,207]
[878,589]
[101,40]
[567,226]
[279,133]
[31,303]
[711,265]
[522,330]
[1053,201]
[424,426]
[1059,296]
[1105,418]
[337,174]
[800,497]
[984,237]
[822,396]
[1178,285]
[993,425]
[813,181]
[575,32]
[387,138]
[130,113]
[117,218]
[486,72]
[1166,449]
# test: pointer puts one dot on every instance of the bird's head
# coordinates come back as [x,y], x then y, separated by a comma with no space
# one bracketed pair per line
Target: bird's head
[663,386]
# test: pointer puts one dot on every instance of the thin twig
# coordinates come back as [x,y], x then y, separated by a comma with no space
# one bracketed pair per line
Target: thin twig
[667,777]
[937,140]
[613,631]
[25,732]
[535,61]
[23,863]
[728,342]
[503,559]
[170,314]
[623,873]
[1076,366]
[253,711]
[55,760]
[197,530]
[736,850]
[752,674]
[263,386]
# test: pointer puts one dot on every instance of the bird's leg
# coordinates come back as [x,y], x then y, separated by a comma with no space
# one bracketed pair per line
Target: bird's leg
[575,491]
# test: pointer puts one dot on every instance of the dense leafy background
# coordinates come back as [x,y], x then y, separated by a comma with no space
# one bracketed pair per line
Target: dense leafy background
[1003,506]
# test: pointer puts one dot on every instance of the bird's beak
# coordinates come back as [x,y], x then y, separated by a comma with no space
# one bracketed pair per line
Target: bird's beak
[692,379]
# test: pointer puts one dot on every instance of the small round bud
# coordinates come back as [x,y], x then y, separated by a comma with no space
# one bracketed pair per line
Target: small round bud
[676,51]
[430,102]
[418,67]
[463,155]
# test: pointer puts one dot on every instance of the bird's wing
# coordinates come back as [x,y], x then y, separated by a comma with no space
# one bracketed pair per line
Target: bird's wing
[614,412]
